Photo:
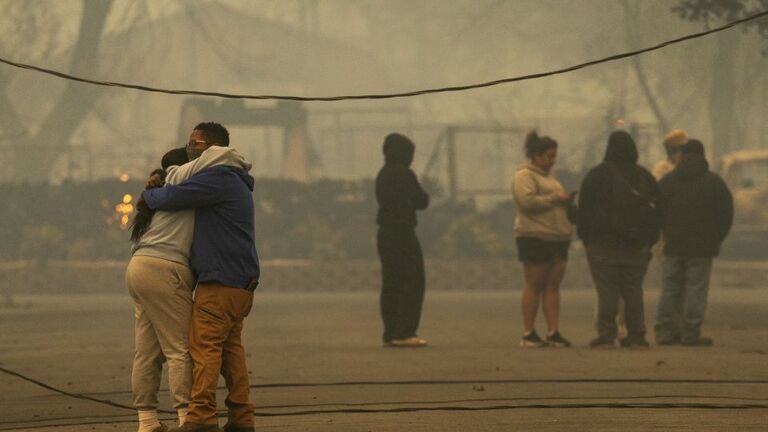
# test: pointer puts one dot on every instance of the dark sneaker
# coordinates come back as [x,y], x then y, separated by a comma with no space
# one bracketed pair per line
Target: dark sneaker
[634,343]
[196,427]
[557,340]
[702,341]
[668,341]
[232,428]
[602,342]
[532,340]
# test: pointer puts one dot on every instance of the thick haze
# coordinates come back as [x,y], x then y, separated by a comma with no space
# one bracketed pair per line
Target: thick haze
[326,47]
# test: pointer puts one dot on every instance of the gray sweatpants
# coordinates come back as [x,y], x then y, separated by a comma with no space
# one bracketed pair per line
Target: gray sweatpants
[162,297]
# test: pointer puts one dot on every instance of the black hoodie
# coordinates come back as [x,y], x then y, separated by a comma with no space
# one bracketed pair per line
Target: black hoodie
[597,221]
[697,209]
[398,191]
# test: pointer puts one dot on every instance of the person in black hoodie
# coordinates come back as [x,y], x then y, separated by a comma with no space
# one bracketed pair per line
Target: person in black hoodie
[399,195]
[619,223]
[697,211]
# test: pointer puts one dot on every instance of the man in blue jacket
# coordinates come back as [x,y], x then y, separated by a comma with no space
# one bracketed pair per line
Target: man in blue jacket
[225,261]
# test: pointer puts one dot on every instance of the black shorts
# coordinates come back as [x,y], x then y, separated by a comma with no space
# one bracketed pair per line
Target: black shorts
[531,249]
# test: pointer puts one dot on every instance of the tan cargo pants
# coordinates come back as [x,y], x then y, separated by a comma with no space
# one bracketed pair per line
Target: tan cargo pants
[216,347]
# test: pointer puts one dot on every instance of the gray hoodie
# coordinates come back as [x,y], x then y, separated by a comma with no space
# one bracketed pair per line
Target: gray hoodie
[169,235]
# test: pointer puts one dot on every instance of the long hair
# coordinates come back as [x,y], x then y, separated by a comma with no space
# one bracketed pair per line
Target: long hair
[143,218]
[143,213]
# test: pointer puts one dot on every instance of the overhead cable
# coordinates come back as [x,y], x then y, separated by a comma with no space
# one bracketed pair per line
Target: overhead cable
[387,95]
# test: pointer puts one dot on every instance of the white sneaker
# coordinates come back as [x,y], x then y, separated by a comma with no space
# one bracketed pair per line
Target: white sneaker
[411,342]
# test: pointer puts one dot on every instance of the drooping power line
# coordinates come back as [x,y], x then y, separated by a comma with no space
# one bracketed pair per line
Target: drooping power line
[390,95]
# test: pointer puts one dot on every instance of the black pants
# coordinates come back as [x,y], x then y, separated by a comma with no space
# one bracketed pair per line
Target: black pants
[619,273]
[402,281]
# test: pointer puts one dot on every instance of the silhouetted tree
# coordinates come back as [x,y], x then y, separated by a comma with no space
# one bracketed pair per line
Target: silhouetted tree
[707,11]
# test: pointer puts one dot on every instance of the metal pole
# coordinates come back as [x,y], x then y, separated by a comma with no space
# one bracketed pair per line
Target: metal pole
[451,153]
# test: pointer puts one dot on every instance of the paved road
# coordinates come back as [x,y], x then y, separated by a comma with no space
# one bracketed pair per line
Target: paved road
[473,377]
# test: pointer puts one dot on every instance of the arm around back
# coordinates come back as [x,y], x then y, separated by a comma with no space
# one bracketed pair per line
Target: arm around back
[200,190]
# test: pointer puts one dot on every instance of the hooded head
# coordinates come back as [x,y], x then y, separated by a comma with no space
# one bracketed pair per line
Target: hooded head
[693,146]
[398,149]
[621,148]
[693,163]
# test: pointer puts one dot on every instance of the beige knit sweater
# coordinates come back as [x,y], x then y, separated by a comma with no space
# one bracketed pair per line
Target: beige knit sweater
[539,212]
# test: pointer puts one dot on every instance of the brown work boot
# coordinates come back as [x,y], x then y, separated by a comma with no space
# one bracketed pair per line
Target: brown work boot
[232,428]
[196,427]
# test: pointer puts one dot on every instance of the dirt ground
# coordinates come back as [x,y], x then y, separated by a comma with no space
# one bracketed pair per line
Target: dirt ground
[317,364]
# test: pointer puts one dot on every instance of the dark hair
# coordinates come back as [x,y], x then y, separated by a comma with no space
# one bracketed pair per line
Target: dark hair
[214,133]
[536,146]
[177,156]
[144,214]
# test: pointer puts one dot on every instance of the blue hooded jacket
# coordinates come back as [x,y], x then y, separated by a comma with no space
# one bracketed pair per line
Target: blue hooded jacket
[223,249]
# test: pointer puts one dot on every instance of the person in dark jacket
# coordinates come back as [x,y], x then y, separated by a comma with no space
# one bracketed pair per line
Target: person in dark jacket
[225,261]
[399,195]
[619,223]
[697,212]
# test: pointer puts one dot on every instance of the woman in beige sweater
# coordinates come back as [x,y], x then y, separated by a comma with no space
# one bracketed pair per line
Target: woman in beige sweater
[543,235]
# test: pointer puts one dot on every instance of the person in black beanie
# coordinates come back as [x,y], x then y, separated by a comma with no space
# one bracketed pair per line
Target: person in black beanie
[399,195]
[697,213]
[619,223]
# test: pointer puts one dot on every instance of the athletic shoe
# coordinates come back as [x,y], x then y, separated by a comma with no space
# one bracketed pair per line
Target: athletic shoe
[411,342]
[557,340]
[634,343]
[532,340]
[702,342]
[668,341]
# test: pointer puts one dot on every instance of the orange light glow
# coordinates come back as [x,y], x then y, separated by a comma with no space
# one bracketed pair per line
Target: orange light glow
[123,211]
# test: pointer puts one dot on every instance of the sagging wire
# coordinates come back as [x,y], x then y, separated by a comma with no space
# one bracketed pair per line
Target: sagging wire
[684,405]
[459,88]
[624,405]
